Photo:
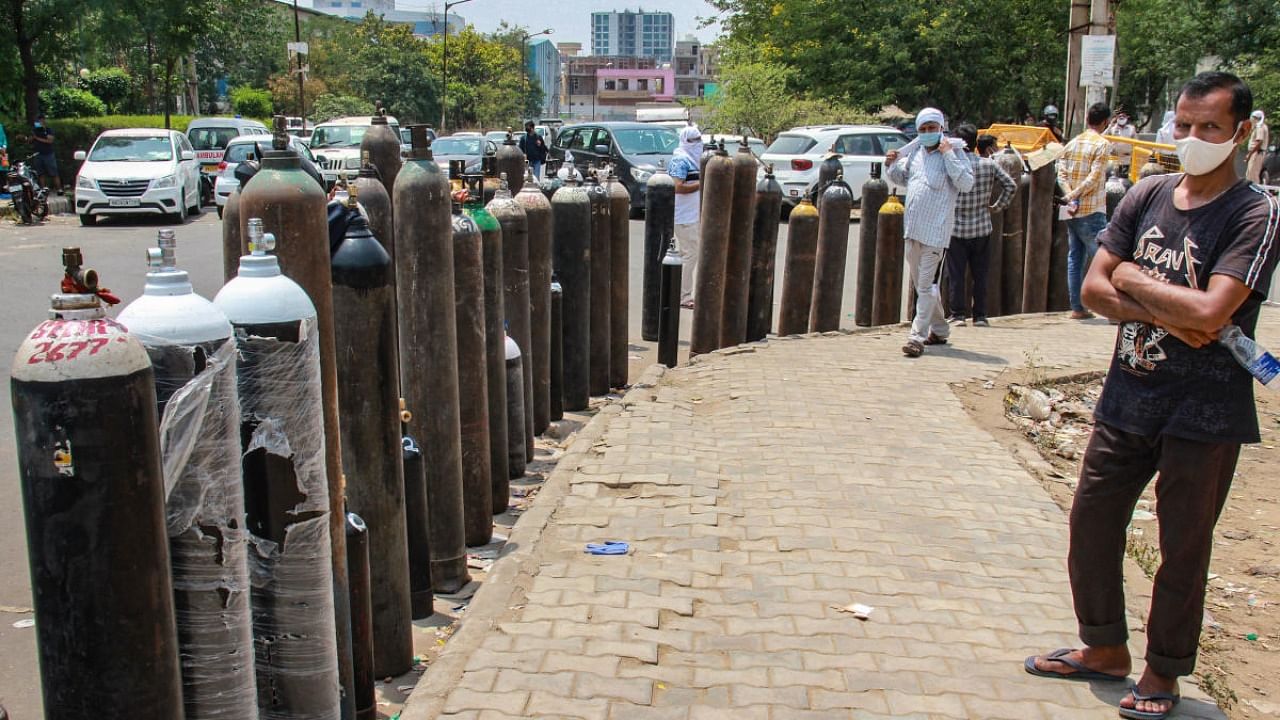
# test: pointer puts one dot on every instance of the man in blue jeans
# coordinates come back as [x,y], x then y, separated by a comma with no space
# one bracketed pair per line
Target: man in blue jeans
[1082,173]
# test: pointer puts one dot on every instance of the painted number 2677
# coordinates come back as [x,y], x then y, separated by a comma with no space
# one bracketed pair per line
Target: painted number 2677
[53,351]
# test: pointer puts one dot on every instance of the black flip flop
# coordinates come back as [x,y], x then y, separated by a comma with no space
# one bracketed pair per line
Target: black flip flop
[1080,672]
[1138,697]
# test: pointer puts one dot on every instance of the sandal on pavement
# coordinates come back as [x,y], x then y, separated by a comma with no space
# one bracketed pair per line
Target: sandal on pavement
[913,349]
[1138,697]
[1079,671]
[935,339]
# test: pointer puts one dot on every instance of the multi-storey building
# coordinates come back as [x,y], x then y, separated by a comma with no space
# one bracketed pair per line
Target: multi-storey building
[633,34]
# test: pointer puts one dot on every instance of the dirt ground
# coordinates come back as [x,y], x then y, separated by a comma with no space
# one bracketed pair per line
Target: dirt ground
[1239,661]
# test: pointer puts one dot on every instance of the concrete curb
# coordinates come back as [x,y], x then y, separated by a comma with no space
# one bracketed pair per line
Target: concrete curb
[518,560]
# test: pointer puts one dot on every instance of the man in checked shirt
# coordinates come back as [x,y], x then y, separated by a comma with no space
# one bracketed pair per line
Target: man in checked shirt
[971,239]
[1082,173]
[934,170]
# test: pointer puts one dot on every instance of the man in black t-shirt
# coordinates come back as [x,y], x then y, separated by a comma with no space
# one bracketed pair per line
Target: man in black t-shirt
[1184,256]
[45,165]
[534,149]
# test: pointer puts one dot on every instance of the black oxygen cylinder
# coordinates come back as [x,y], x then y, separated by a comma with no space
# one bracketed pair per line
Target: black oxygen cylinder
[285,486]
[380,147]
[429,350]
[517,459]
[510,163]
[364,317]
[189,343]
[360,574]
[797,271]
[555,368]
[419,536]
[601,279]
[571,227]
[995,263]
[659,225]
[537,209]
[1057,298]
[473,380]
[1015,246]
[515,298]
[1040,219]
[764,254]
[669,315]
[717,208]
[376,201]
[833,252]
[89,465]
[737,276]
[886,306]
[619,279]
[874,192]
[495,362]
[828,170]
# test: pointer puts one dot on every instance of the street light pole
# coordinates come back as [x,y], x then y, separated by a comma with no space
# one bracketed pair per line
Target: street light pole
[444,64]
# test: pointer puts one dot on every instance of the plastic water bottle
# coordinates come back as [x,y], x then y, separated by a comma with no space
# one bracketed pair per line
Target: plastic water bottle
[1253,357]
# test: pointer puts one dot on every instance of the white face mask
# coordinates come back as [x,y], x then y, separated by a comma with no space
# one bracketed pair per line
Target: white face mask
[1200,157]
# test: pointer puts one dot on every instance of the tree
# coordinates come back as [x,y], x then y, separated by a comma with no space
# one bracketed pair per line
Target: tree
[32,26]
[112,84]
[243,44]
[328,107]
[251,103]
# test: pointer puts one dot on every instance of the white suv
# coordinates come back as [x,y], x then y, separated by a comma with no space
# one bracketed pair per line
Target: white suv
[138,171]
[797,153]
[336,144]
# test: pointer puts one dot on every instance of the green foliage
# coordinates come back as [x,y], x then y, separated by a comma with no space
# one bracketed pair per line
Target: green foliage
[112,84]
[251,102]
[755,99]
[328,107]
[72,134]
[64,102]
[244,43]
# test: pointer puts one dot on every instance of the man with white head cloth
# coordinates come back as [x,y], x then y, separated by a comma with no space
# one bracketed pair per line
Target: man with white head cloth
[684,169]
[935,171]
[1259,141]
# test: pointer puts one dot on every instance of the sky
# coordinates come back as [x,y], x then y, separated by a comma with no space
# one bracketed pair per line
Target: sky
[570,19]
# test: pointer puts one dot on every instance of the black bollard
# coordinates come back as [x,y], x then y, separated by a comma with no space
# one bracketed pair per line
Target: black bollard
[429,350]
[93,495]
[571,227]
[886,306]
[537,209]
[1040,218]
[473,380]
[874,192]
[555,379]
[659,224]
[669,317]
[833,252]
[797,271]
[619,279]
[717,208]
[359,554]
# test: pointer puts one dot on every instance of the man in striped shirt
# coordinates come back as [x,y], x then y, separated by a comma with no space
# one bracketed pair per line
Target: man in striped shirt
[1082,173]
[935,171]
[970,249]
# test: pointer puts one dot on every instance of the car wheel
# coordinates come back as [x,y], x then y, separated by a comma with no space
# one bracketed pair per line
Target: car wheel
[181,215]
[88,220]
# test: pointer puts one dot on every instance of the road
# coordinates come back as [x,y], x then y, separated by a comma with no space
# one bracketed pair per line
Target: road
[30,270]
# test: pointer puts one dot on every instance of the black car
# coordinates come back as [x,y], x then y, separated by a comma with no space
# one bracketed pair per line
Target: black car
[635,150]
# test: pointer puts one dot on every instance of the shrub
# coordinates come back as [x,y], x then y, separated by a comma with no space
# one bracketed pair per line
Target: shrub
[251,102]
[72,134]
[63,102]
[112,84]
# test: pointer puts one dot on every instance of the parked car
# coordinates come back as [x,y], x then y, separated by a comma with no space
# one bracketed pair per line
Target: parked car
[465,147]
[138,171]
[406,141]
[246,147]
[209,136]
[797,153]
[336,144]
[635,149]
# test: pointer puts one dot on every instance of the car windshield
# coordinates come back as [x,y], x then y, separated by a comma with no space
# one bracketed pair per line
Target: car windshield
[211,138]
[240,152]
[791,145]
[338,136]
[148,148]
[647,141]
[456,146]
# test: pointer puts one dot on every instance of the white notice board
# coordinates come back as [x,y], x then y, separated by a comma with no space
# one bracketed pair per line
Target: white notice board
[1097,60]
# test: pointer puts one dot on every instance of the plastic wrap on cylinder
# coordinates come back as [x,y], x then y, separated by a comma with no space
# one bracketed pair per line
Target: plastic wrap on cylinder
[287,504]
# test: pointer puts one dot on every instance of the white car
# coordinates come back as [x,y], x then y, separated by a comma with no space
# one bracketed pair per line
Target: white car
[336,144]
[237,151]
[797,153]
[138,171]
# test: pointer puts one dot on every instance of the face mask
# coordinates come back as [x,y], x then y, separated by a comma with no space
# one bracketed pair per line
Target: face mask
[1200,157]
[1122,122]
[929,139]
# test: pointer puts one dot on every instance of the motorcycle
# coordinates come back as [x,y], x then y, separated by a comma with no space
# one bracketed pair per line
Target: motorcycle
[29,198]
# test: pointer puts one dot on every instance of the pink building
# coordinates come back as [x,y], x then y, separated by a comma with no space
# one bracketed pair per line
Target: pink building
[621,86]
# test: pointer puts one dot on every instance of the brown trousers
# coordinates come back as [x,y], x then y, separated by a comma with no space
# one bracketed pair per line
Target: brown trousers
[1194,478]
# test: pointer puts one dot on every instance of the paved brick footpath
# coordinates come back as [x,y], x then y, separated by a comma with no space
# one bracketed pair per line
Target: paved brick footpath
[762,489]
